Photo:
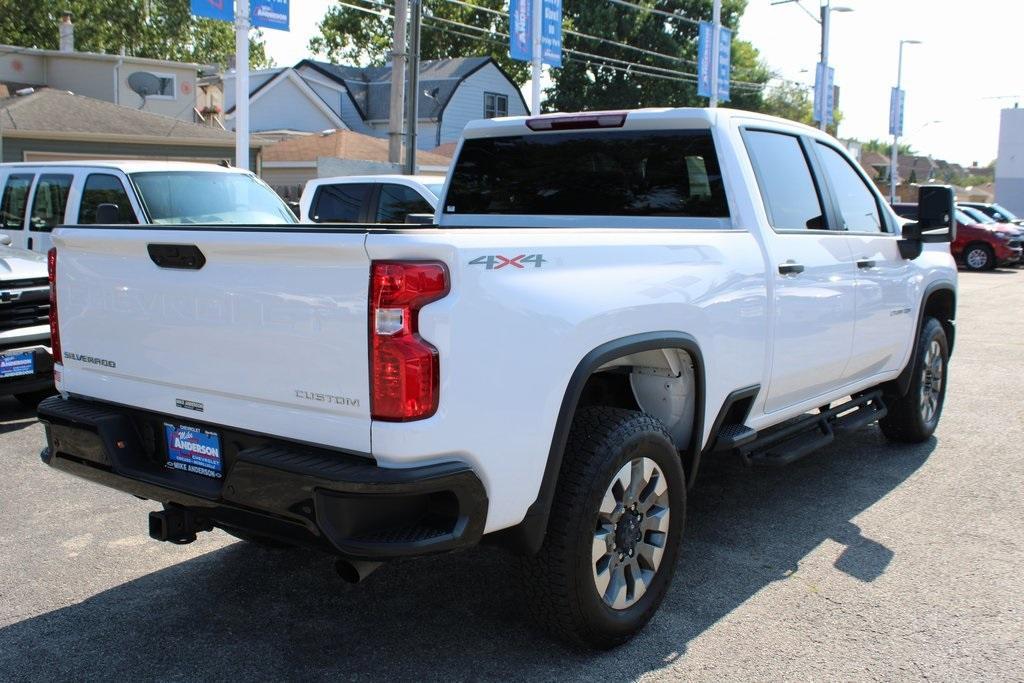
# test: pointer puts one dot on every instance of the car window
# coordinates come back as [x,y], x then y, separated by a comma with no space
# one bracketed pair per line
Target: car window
[398,201]
[209,198]
[590,173]
[103,188]
[978,215]
[1004,213]
[906,211]
[858,207]
[340,203]
[790,196]
[12,205]
[50,201]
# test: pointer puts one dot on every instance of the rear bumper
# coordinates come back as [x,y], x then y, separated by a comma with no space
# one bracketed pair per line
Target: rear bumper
[339,502]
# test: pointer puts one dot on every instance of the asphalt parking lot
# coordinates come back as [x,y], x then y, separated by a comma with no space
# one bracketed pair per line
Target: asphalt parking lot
[863,561]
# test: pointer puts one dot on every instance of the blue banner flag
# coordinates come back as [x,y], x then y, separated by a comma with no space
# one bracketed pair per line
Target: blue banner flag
[824,94]
[706,30]
[222,10]
[724,62]
[270,14]
[520,39]
[551,32]
[897,98]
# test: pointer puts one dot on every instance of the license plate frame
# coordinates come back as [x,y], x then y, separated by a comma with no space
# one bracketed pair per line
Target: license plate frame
[17,364]
[194,449]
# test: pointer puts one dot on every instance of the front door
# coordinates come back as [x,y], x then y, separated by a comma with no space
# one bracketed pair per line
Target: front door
[885,307]
[49,208]
[815,278]
[14,206]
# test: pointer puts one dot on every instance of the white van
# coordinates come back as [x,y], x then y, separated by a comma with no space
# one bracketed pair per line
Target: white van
[37,197]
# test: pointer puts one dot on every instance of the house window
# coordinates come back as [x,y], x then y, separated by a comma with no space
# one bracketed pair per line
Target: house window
[154,85]
[495,105]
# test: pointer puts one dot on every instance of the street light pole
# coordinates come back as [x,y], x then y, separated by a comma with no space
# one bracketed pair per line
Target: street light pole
[826,12]
[894,179]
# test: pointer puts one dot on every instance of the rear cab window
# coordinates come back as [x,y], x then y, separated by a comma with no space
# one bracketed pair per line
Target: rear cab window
[104,188]
[792,198]
[642,173]
[50,201]
[340,203]
[395,202]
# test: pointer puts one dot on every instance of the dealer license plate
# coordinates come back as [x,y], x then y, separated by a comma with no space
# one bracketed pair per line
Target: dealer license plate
[17,364]
[192,449]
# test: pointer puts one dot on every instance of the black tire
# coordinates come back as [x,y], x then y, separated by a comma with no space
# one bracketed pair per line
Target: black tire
[981,255]
[561,580]
[908,419]
[32,399]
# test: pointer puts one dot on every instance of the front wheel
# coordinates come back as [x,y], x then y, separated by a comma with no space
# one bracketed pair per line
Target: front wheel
[914,417]
[614,531]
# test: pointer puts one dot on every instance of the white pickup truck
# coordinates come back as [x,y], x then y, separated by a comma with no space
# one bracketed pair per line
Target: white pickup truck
[604,301]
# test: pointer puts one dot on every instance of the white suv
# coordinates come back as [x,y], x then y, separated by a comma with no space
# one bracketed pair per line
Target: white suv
[369,199]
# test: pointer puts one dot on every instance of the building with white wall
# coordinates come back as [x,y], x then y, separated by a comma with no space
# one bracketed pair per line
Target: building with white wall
[1010,164]
[315,96]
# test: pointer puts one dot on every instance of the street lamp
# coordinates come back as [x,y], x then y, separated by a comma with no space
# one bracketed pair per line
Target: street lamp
[894,179]
[826,12]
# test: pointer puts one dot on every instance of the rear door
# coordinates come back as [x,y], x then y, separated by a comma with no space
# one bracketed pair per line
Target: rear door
[885,305]
[262,329]
[50,199]
[813,270]
[393,202]
[17,186]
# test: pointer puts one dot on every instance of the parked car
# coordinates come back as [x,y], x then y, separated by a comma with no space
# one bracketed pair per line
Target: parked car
[996,212]
[369,199]
[978,246]
[606,301]
[36,197]
[26,366]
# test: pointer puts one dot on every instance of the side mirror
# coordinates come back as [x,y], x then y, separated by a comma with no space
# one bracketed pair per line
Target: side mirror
[108,214]
[5,240]
[936,207]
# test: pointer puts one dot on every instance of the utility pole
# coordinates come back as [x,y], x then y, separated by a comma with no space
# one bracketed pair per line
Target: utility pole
[716,37]
[398,57]
[826,12]
[412,94]
[242,84]
[536,52]
[894,172]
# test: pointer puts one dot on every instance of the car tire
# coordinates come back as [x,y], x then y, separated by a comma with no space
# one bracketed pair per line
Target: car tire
[979,257]
[32,399]
[913,418]
[614,531]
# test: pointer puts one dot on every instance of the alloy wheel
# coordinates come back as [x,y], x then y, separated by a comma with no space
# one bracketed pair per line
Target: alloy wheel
[931,382]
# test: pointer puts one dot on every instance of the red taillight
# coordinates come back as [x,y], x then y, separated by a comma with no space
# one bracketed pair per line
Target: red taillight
[404,369]
[600,119]
[51,267]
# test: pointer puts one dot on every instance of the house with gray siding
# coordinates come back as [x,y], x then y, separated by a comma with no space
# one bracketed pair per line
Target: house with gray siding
[313,96]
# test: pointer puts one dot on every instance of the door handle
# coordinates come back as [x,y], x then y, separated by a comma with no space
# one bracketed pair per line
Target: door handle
[179,256]
[865,263]
[30,244]
[790,268]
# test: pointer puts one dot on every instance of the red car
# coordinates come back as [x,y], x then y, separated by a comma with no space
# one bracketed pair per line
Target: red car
[978,246]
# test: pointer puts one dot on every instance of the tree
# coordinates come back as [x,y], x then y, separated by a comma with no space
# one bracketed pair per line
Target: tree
[795,102]
[158,29]
[885,147]
[357,37]
[593,83]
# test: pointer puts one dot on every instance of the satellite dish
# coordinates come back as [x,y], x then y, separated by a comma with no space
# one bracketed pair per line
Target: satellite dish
[145,84]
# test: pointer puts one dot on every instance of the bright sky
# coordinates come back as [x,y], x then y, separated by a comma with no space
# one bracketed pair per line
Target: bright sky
[971,53]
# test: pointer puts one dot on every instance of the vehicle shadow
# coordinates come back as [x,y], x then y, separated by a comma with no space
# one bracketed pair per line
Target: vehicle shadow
[243,611]
[15,416]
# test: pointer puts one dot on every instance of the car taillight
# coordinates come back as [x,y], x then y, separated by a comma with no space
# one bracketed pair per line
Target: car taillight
[404,369]
[51,268]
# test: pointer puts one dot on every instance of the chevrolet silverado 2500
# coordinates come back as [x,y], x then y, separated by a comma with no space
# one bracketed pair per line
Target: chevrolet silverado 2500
[604,301]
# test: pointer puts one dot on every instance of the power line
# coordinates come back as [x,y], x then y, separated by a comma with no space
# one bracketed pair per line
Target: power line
[641,8]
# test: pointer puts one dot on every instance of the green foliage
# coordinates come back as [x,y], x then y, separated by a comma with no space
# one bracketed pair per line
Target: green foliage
[795,102]
[349,36]
[158,29]
[583,84]
[885,147]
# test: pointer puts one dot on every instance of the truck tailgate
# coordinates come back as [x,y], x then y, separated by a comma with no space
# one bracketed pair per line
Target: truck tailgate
[268,335]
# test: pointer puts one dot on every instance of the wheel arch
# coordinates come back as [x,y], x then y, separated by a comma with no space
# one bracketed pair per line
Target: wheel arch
[528,535]
[939,302]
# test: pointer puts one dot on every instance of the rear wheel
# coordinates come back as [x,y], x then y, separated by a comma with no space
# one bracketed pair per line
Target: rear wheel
[914,417]
[979,257]
[614,532]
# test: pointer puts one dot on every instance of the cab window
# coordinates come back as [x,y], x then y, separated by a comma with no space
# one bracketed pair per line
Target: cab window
[103,188]
[398,201]
[790,195]
[12,205]
[341,203]
[50,201]
[858,208]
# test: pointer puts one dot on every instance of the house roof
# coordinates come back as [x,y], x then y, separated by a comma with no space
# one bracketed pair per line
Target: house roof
[445,150]
[97,56]
[370,86]
[342,144]
[57,112]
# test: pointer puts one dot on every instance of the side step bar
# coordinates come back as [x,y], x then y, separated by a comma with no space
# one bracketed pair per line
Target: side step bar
[795,440]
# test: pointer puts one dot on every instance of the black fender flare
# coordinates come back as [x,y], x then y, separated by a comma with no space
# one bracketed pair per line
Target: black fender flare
[528,535]
[901,385]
